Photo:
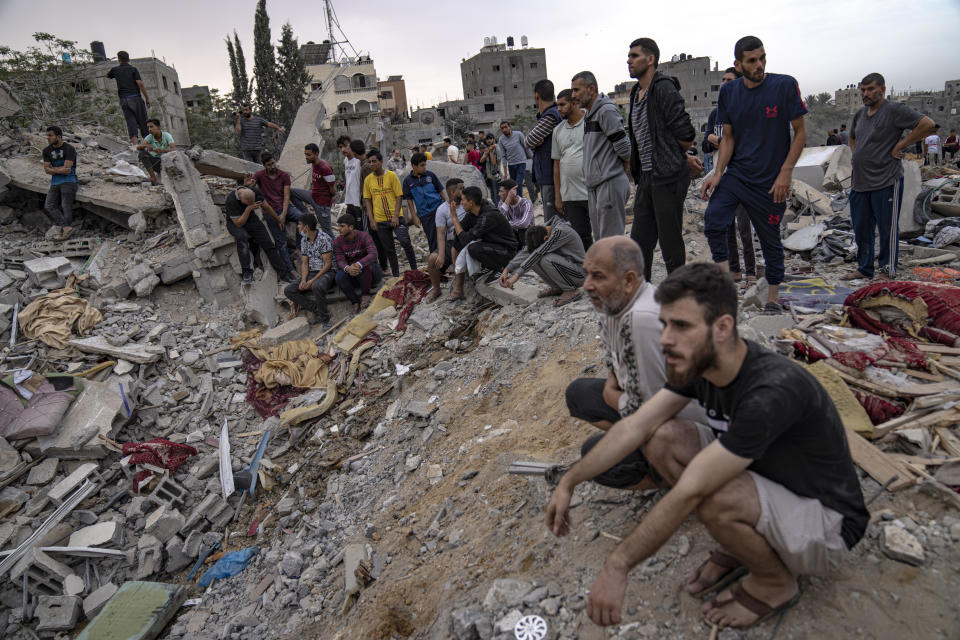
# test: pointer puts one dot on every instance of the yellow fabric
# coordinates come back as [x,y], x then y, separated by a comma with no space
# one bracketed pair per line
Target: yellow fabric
[294,363]
[429,155]
[383,192]
[52,318]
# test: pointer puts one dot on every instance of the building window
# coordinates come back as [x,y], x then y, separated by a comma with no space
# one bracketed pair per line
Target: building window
[496,89]
[514,86]
[387,95]
[704,94]
[513,65]
[714,103]
[176,89]
[496,67]
[165,87]
[314,86]
[533,65]
[488,107]
[516,106]
[714,87]
[694,98]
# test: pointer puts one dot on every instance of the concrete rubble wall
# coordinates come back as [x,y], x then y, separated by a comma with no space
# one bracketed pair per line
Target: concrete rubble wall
[303,131]
[214,163]
[200,218]
[9,104]
[824,168]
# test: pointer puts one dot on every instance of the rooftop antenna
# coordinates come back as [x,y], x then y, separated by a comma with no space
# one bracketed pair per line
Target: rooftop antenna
[340,46]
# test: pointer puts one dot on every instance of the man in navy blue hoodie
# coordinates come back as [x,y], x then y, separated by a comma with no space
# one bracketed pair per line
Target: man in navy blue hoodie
[660,133]
[755,164]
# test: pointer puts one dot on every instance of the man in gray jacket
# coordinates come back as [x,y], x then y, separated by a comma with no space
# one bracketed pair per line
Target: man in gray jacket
[555,253]
[606,158]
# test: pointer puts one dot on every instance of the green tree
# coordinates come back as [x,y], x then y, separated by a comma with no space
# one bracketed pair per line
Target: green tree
[811,100]
[264,64]
[53,81]
[238,71]
[824,98]
[211,124]
[292,75]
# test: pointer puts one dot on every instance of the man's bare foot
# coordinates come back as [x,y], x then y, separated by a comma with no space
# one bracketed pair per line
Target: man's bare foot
[455,295]
[749,601]
[293,312]
[715,570]
[432,296]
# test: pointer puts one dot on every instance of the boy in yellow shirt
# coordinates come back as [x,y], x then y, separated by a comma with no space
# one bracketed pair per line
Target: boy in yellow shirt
[382,193]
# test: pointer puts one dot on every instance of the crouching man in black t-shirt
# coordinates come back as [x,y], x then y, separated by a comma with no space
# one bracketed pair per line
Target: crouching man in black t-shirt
[777,489]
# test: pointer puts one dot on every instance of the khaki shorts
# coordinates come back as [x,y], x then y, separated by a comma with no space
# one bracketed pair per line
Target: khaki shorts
[803,532]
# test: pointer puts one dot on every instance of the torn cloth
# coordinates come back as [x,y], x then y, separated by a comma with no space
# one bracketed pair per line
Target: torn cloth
[297,363]
[52,318]
[407,293]
[156,453]
[907,309]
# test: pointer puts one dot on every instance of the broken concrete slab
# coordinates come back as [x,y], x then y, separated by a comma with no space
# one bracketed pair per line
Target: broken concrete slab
[95,535]
[523,293]
[137,611]
[804,239]
[48,273]
[899,544]
[94,602]
[446,170]
[200,218]
[132,351]
[91,415]
[260,298]
[291,330]
[58,613]
[768,327]
[111,143]
[9,103]
[44,472]
[304,130]
[815,163]
[45,575]
[65,487]
[149,556]
[164,523]
[912,186]
[73,585]
[214,163]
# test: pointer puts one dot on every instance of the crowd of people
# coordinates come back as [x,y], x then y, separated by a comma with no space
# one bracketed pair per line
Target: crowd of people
[761,457]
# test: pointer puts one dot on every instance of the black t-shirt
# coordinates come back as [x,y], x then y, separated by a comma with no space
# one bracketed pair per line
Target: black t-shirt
[778,415]
[126,76]
[234,207]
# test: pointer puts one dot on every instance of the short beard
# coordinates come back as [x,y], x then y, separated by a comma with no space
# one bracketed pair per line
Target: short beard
[616,303]
[704,357]
[755,77]
[637,74]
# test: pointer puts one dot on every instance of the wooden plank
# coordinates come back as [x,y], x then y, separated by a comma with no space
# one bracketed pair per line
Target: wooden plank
[926,462]
[877,464]
[939,348]
[949,442]
[914,420]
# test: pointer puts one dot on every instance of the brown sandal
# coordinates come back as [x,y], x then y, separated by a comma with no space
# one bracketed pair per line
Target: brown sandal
[763,611]
[567,297]
[734,569]
[549,292]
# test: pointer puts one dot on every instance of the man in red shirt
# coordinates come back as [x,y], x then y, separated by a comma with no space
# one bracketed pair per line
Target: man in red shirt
[274,184]
[323,185]
[473,156]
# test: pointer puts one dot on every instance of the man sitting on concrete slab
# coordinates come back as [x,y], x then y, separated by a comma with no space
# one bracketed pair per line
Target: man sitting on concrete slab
[316,271]
[777,489]
[555,253]
[244,210]
[157,142]
[356,260]
[484,237]
[630,333]
[444,257]
[274,184]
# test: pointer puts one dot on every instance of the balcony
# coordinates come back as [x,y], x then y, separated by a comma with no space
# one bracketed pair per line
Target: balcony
[372,90]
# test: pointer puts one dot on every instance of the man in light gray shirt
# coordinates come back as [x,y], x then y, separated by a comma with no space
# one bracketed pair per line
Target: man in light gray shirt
[567,155]
[606,158]
[877,173]
[513,151]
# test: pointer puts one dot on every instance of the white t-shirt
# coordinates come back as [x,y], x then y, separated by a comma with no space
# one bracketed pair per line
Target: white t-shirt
[351,174]
[453,154]
[933,143]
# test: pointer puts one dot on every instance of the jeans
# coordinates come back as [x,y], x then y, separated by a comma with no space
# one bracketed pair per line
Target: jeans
[279,234]
[491,256]
[517,173]
[708,162]
[386,231]
[135,113]
[59,203]
[578,213]
[881,209]
[313,299]
[549,202]
[658,217]
[253,155]
[365,281]
[428,223]
[494,186]
[255,232]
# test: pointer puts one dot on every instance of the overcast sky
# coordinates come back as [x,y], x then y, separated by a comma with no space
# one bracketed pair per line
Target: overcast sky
[824,44]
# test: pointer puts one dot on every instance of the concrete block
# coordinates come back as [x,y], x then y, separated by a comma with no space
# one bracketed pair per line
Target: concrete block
[200,512]
[259,297]
[103,266]
[164,523]
[62,490]
[132,352]
[207,279]
[214,163]
[137,611]
[168,493]
[900,544]
[176,558]
[149,556]
[304,130]
[103,533]
[146,286]
[44,472]
[116,288]
[768,327]
[112,144]
[815,162]
[197,214]
[48,273]
[523,293]
[912,185]
[94,602]
[45,575]
[176,267]
[92,414]
[290,330]
[58,613]
[73,585]
[191,546]
[137,272]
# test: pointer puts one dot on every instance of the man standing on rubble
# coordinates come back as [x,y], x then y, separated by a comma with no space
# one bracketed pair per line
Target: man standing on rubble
[570,199]
[60,163]
[660,134]
[877,173]
[755,163]
[250,129]
[423,192]
[512,150]
[540,139]
[777,489]
[323,185]
[130,89]
[382,199]
[630,333]
[606,158]
[274,184]
[245,209]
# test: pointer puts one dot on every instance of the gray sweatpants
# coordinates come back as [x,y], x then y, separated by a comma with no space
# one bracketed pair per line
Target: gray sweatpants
[560,273]
[608,207]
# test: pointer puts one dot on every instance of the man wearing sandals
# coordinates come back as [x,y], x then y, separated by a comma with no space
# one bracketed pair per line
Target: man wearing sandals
[755,163]
[777,489]
[555,253]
